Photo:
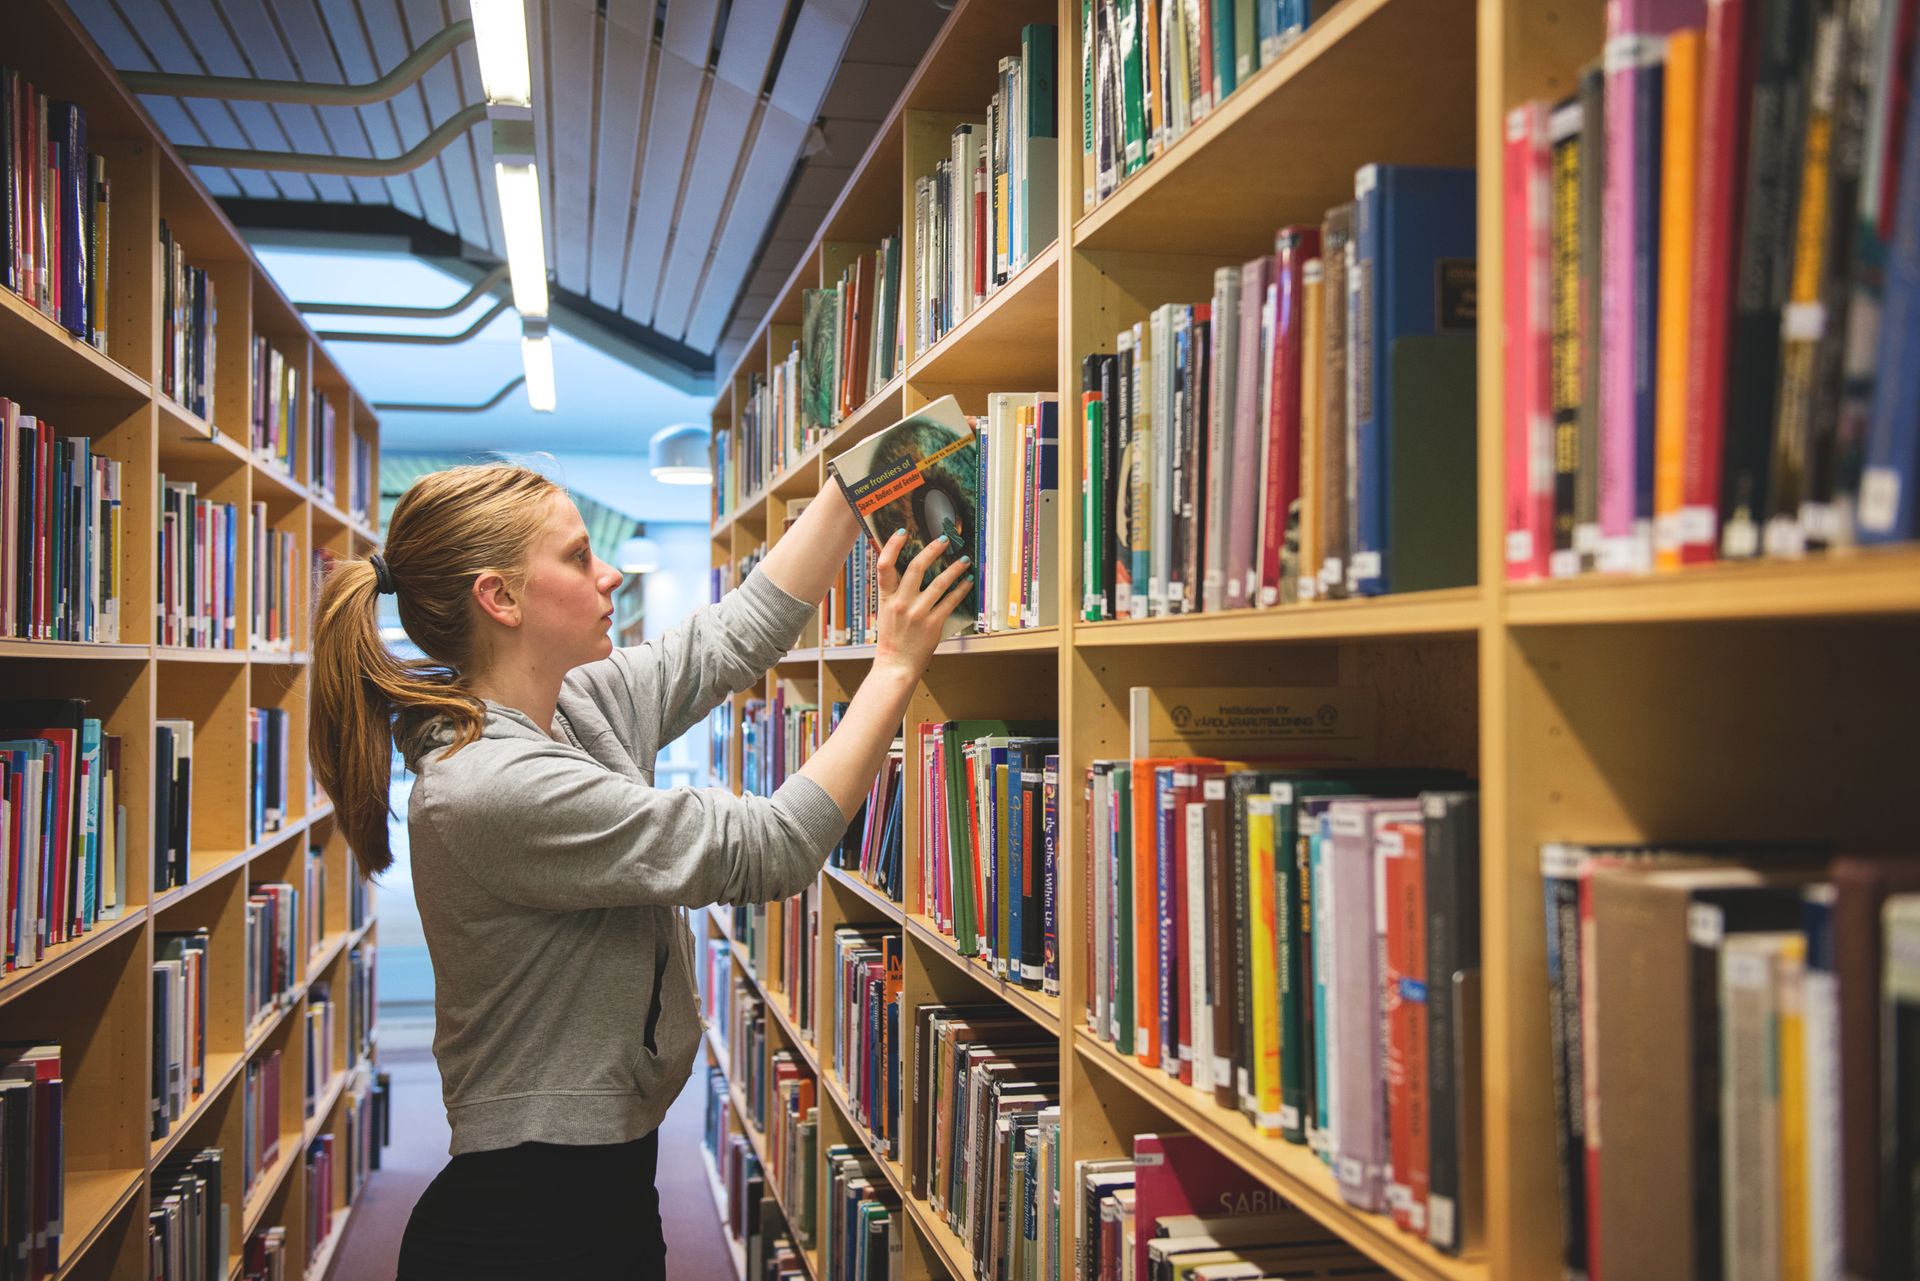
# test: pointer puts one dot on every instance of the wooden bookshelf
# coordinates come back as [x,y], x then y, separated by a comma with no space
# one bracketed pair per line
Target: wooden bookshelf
[93,995]
[1755,700]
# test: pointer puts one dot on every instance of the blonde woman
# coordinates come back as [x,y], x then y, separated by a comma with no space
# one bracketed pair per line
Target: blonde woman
[547,866]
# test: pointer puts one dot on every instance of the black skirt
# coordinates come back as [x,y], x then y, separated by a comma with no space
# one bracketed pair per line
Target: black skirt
[540,1210]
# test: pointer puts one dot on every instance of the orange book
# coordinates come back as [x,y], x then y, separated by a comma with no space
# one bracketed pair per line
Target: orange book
[1146,910]
[1679,181]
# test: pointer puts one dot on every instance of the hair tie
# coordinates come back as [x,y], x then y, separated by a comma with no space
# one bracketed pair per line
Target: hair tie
[382,575]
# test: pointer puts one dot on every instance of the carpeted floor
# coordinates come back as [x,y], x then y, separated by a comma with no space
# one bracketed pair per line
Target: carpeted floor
[695,1247]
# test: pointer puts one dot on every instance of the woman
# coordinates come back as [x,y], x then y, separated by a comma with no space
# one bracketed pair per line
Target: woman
[548,869]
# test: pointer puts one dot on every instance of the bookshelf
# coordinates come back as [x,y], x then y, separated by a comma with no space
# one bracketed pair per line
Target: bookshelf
[1599,709]
[93,995]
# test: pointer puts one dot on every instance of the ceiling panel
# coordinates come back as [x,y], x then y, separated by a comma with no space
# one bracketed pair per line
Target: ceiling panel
[677,96]
[385,32]
[261,53]
[775,149]
[696,223]
[441,89]
[346,43]
[626,69]
[304,37]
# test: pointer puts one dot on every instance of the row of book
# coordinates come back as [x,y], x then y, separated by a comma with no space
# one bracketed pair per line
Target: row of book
[53,239]
[1152,69]
[172,802]
[777,941]
[198,559]
[1711,290]
[32,1159]
[276,959]
[275,413]
[991,205]
[315,885]
[61,533]
[713,979]
[63,826]
[864,1236]
[266,1257]
[274,577]
[369,1126]
[867,1050]
[746,1033]
[1746,1020]
[323,474]
[1177,1208]
[987,793]
[791,1125]
[319,1034]
[319,1189]
[851,611]
[1017,526]
[1307,432]
[268,750]
[181,972]
[874,846]
[189,1223]
[259,1119]
[776,739]
[362,482]
[189,322]
[359,902]
[362,1001]
[987,1096]
[750,1214]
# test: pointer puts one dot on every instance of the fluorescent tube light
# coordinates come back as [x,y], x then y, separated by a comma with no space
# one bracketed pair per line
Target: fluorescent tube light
[519,187]
[500,38]
[537,354]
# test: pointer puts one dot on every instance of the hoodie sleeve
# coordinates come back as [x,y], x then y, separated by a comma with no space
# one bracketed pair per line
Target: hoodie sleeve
[720,649]
[545,828]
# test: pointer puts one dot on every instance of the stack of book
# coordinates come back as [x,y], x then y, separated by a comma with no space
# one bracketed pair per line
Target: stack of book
[267,751]
[274,573]
[747,1050]
[266,1256]
[987,793]
[319,1045]
[259,1119]
[33,1141]
[1017,526]
[363,1113]
[199,551]
[1748,1027]
[275,955]
[1308,432]
[776,738]
[986,1090]
[865,1236]
[321,475]
[189,318]
[361,993]
[726,481]
[63,826]
[757,435]
[317,896]
[875,843]
[1712,289]
[361,482]
[713,976]
[1177,1207]
[61,540]
[53,240]
[180,977]
[359,902]
[172,803]
[189,1226]
[852,607]
[851,341]
[276,406]
[992,205]
[792,1131]
[753,1216]
[319,1187]
[1152,69]
[867,1029]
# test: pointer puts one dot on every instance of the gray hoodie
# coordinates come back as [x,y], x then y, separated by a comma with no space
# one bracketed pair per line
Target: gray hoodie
[550,871]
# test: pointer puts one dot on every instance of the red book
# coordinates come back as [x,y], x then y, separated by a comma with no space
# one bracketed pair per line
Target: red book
[1527,341]
[1404,981]
[1292,248]
[1183,1174]
[1726,75]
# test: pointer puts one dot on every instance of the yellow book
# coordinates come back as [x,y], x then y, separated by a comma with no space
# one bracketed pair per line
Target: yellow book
[1678,182]
[1790,1050]
[1264,966]
[1306,561]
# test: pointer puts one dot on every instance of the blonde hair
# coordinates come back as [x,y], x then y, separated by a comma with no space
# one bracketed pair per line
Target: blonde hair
[447,529]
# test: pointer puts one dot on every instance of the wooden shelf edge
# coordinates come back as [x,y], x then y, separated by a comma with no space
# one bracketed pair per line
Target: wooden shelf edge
[874,898]
[63,956]
[952,1250]
[322,1109]
[1452,611]
[270,1182]
[896,1172]
[14,647]
[113,1190]
[1042,1009]
[1041,268]
[322,1261]
[234,1062]
[17,311]
[1855,583]
[735,1250]
[1292,1170]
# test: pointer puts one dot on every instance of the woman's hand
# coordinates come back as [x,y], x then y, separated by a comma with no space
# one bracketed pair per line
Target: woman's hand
[913,611]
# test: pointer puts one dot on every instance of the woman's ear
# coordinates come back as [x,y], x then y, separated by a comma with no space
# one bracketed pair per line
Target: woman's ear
[494,596]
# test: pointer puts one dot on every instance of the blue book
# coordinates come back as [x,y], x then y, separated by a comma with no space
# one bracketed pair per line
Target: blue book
[1414,244]
[1887,507]
[1007,957]
[91,766]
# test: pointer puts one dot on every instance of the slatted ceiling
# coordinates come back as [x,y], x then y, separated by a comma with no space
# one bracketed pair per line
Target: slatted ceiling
[746,48]
[717,160]
[347,41]
[123,50]
[381,26]
[445,95]
[569,127]
[813,55]
[626,69]
[768,164]
[689,33]
[677,92]
[314,58]
[264,55]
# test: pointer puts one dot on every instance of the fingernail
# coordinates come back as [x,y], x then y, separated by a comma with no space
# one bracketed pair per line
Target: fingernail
[940,541]
[964,560]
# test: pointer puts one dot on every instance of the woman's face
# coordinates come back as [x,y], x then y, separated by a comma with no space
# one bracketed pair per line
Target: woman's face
[569,591]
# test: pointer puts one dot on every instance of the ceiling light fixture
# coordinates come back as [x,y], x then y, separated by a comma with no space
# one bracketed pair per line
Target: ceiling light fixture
[677,455]
[519,184]
[500,37]
[536,352]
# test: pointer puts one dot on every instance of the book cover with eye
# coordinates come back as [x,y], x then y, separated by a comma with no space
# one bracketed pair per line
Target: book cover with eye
[920,475]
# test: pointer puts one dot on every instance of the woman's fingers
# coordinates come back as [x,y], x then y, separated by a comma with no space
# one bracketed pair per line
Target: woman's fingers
[951,601]
[917,570]
[948,576]
[889,554]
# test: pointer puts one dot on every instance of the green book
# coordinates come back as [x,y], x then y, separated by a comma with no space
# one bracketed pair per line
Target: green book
[819,341]
[1224,79]
[1246,40]
[1431,475]
[1133,112]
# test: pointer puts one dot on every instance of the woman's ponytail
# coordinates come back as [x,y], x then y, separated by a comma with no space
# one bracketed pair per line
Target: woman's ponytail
[447,529]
